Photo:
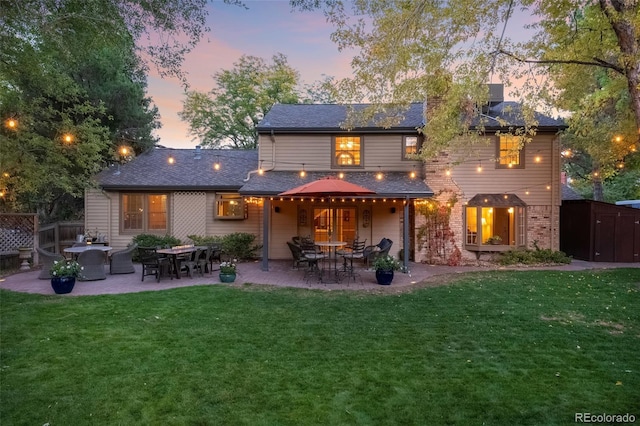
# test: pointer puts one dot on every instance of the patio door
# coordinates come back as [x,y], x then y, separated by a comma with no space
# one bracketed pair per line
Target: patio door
[334,224]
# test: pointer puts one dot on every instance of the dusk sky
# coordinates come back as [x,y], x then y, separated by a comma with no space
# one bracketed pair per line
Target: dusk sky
[266,28]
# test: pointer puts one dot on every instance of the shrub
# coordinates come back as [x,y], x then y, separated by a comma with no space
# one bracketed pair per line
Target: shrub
[150,240]
[200,240]
[532,257]
[238,245]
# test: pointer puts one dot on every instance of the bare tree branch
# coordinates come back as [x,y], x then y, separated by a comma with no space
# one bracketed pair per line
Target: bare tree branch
[596,62]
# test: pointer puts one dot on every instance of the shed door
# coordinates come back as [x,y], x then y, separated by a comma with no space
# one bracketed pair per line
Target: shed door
[625,230]
[604,238]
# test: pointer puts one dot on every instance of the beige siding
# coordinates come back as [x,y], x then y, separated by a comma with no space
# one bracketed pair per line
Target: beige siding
[189,213]
[288,152]
[538,179]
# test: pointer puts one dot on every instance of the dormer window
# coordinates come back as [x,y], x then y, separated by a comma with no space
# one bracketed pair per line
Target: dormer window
[348,151]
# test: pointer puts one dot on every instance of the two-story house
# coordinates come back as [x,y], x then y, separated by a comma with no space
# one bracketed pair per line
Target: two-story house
[499,191]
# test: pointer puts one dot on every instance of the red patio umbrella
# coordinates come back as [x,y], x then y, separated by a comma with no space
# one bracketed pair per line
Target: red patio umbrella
[327,186]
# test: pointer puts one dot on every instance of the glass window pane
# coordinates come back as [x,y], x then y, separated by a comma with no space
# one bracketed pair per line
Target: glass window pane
[348,150]
[509,150]
[230,206]
[472,225]
[132,211]
[157,212]
[410,146]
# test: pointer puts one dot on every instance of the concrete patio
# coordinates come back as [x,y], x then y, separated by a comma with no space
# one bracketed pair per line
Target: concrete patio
[280,274]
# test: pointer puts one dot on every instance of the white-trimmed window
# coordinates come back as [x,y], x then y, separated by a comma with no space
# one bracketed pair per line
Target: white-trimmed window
[230,206]
[143,213]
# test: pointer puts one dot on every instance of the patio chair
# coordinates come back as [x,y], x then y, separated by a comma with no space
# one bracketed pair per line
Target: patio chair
[121,261]
[193,263]
[92,262]
[380,249]
[356,252]
[297,255]
[215,255]
[47,258]
[313,254]
[153,264]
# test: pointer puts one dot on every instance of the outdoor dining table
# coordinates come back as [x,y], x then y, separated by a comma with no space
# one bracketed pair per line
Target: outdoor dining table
[175,254]
[75,251]
[333,275]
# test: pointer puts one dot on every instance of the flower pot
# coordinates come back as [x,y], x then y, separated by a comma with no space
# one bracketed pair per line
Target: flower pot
[63,285]
[227,278]
[384,277]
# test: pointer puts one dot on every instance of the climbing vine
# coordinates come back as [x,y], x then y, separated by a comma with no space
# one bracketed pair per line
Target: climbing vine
[436,237]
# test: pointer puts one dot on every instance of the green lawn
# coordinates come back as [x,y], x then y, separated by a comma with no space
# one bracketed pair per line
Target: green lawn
[494,348]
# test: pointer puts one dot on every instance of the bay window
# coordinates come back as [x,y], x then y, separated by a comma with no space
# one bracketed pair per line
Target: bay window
[495,219]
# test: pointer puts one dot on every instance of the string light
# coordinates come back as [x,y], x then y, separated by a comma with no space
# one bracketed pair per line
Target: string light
[303,173]
[68,138]
[379,175]
[412,175]
[447,172]
[11,124]
[260,169]
[341,175]
[537,159]
[479,166]
[216,165]
[171,160]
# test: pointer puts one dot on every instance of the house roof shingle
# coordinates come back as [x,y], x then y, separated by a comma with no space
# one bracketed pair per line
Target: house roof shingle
[315,118]
[151,170]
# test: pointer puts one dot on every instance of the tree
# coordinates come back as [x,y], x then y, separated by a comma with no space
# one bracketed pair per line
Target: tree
[601,132]
[230,112]
[68,97]
[416,50]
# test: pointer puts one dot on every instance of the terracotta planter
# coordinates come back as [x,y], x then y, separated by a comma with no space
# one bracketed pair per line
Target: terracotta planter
[384,277]
[63,285]
[227,278]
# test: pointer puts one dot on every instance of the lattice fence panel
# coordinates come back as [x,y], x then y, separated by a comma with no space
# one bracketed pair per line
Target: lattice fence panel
[189,214]
[17,230]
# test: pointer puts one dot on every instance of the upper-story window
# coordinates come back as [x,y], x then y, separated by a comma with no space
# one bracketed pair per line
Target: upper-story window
[410,147]
[143,213]
[510,152]
[348,151]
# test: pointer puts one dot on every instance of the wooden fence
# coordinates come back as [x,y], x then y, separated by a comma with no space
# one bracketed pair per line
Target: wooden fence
[55,237]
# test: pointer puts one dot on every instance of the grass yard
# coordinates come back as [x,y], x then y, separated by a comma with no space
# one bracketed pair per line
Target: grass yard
[494,348]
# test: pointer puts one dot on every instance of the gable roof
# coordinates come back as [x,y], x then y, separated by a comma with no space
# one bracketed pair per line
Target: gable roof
[327,117]
[315,118]
[151,170]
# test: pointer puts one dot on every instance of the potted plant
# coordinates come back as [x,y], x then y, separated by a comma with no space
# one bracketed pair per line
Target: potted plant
[385,266]
[228,270]
[63,275]
[496,239]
